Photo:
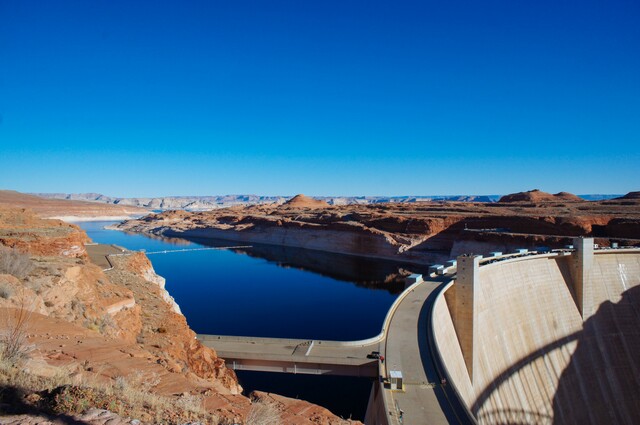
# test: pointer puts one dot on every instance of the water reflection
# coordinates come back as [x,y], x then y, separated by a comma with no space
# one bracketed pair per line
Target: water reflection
[365,272]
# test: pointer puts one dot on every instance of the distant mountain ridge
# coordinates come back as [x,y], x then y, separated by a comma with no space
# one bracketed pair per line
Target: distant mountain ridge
[203,203]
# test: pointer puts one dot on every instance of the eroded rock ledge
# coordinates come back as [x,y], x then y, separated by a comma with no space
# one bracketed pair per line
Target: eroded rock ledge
[422,233]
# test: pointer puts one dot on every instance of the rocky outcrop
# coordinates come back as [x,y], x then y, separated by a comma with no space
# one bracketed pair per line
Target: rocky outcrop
[302,201]
[426,232]
[21,229]
[536,195]
[140,264]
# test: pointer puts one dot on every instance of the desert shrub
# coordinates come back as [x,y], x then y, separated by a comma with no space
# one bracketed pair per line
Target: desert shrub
[35,285]
[14,262]
[78,306]
[92,325]
[191,403]
[119,383]
[102,325]
[143,380]
[58,395]
[107,323]
[262,414]
[13,335]
[6,291]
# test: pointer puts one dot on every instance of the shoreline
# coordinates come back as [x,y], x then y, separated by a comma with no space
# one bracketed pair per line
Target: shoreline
[342,241]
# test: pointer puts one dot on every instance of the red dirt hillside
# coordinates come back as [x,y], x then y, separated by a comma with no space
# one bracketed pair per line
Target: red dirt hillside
[536,195]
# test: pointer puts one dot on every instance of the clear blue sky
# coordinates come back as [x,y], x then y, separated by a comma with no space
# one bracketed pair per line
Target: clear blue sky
[319,97]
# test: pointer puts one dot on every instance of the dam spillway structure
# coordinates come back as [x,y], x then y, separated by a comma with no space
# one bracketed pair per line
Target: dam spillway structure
[544,339]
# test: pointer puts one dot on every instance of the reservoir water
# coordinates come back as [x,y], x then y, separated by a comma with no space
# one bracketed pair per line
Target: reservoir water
[280,292]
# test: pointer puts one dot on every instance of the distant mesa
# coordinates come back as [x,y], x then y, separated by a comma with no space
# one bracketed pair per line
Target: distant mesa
[631,195]
[536,195]
[303,201]
[69,209]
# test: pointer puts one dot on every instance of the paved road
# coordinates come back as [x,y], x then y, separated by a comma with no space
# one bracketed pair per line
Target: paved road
[406,349]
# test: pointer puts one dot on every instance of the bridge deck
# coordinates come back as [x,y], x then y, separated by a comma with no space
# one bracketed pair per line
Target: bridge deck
[295,355]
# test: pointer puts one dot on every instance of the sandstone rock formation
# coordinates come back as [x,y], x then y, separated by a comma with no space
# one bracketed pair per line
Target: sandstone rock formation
[424,232]
[302,201]
[536,195]
[20,229]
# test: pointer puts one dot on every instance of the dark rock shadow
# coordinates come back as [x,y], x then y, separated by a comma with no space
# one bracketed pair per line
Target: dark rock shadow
[12,402]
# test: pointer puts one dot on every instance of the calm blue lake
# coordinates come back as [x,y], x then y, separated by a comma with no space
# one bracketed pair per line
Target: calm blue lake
[274,291]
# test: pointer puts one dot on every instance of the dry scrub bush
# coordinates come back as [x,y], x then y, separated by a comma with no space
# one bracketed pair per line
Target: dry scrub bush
[103,324]
[262,414]
[58,395]
[13,334]
[14,262]
[191,403]
[143,381]
[16,377]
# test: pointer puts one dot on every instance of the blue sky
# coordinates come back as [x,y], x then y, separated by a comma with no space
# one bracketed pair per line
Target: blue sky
[323,98]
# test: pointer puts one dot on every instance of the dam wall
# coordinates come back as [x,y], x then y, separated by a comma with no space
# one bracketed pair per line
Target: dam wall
[546,350]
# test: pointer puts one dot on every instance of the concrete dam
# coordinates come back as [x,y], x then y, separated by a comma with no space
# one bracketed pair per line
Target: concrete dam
[552,338]
[524,338]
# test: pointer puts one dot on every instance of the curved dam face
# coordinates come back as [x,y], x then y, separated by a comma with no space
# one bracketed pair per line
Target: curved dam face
[550,341]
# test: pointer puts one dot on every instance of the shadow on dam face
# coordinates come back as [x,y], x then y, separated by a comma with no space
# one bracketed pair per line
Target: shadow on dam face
[599,385]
